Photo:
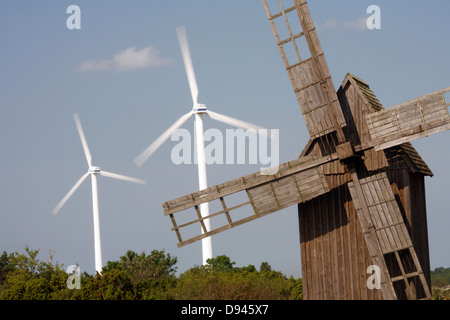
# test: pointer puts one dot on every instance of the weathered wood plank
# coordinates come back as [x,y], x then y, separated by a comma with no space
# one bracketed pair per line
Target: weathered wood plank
[410,120]
[395,124]
[285,192]
[403,137]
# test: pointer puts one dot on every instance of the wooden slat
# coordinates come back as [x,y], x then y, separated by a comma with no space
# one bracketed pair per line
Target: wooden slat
[288,191]
[384,213]
[402,277]
[226,210]
[410,120]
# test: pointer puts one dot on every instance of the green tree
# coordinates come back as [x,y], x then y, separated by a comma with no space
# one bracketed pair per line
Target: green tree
[152,276]
[220,280]
[295,289]
[28,278]
[440,277]
[141,276]
[5,267]
[221,263]
[439,281]
[265,267]
[114,285]
[142,267]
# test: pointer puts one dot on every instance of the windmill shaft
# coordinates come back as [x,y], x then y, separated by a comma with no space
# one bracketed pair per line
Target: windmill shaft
[96,216]
[203,184]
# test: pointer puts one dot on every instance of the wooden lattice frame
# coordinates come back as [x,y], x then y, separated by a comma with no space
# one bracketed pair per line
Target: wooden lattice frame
[295,182]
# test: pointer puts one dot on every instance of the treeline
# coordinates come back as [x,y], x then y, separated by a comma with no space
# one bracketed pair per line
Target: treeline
[142,277]
[440,283]
[153,277]
[440,277]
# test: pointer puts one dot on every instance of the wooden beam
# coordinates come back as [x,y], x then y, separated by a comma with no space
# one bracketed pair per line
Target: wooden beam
[243,183]
[294,184]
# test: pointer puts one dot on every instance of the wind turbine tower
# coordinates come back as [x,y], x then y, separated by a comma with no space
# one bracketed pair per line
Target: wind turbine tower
[93,171]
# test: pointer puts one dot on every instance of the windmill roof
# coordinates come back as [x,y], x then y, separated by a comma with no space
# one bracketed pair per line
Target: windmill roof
[417,163]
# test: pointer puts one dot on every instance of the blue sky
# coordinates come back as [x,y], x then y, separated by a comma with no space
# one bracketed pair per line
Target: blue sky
[49,72]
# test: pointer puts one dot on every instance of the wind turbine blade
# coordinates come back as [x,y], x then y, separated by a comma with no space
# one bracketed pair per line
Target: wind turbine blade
[235,122]
[158,142]
[83,139]
[121,177]
[182,38]
[70,193]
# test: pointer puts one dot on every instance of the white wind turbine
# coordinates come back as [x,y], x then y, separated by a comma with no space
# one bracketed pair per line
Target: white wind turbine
[197,111]
[93,172]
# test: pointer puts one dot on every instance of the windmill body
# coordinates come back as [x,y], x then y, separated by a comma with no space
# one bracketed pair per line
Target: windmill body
[358,184]
[330,223]
[93,171]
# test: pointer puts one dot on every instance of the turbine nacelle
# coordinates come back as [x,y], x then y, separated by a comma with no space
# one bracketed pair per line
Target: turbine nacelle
[199,108]
[94,169]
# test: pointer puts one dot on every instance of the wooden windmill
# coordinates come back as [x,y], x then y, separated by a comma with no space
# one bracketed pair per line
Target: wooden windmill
[358,184]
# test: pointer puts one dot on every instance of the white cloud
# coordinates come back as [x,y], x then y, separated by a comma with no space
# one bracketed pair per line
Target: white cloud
[360,24]
[330,24]
[128,59]
[94,65]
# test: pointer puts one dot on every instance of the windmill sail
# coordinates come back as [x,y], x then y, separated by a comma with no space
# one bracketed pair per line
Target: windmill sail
[385,231]
[307,70]
[297,181]
[410,120]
